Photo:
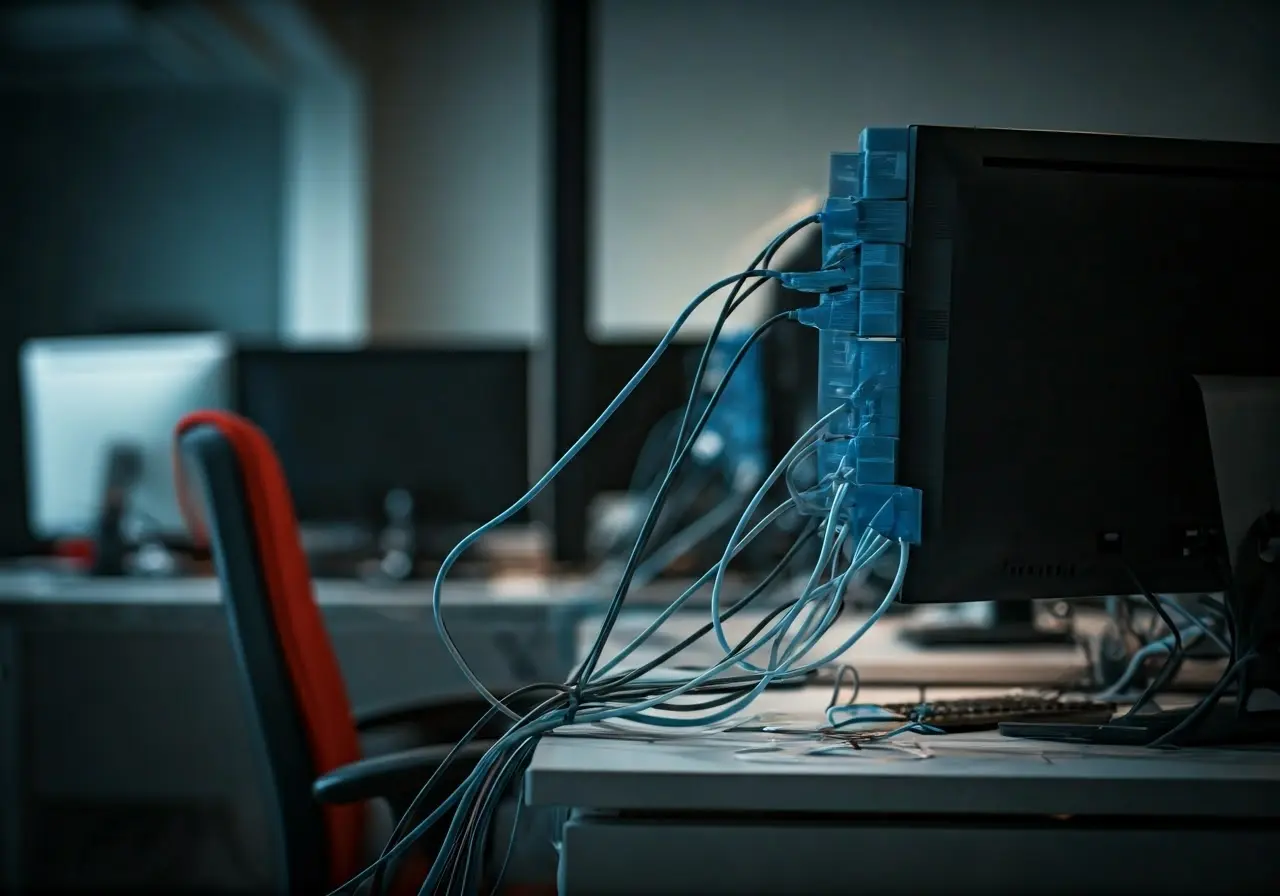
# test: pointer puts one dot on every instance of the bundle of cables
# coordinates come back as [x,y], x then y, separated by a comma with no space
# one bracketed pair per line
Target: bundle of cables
[1207,620]
[778,648]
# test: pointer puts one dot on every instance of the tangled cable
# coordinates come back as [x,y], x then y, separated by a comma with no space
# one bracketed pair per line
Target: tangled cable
[779,647]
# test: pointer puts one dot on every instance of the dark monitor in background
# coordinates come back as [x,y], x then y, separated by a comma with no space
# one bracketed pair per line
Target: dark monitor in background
[448,426]
[1063,294]
[613,454]
[790,352]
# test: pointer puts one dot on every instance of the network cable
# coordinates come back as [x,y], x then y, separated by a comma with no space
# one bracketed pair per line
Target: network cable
[685,540]
[537,488]
[592,696]
[402,839]
[1171,663]
[1190,636]
[732,302]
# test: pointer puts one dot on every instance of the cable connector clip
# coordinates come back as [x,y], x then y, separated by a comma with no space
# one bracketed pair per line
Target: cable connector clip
[875,313]
[834,311]
[843,276]
[845,220]
[892,510]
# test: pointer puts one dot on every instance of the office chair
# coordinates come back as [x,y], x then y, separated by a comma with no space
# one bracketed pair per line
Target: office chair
[319,781]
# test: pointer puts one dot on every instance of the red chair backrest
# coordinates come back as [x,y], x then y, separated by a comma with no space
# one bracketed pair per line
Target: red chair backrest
[318,690]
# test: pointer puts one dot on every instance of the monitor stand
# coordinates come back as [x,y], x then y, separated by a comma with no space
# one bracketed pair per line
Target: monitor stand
[988,624]
[1243,418]
[124,469]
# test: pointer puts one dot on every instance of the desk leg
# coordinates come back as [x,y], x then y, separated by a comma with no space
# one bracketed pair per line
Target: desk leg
[13,793]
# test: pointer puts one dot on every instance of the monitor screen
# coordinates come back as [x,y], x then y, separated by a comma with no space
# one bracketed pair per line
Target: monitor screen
[1064,293]
[450,426]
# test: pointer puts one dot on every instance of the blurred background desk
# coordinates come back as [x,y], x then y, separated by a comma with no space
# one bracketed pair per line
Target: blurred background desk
[123,730]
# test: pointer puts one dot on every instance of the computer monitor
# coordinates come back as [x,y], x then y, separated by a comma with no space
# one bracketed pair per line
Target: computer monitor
[450,426]
[615,455]
[1063,293]
[87,399]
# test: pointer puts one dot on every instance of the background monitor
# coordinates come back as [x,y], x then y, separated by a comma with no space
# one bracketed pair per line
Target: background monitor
[1063,293]
[450,426]
[83,397]
[612,456]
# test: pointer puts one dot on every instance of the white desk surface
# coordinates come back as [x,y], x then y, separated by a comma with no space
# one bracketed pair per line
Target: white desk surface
[968,773]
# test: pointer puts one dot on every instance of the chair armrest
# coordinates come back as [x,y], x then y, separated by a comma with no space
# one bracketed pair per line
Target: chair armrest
[396,775]
[434,720]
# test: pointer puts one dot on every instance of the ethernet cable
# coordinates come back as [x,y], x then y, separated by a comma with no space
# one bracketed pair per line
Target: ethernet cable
[674,606]
[1167,644]
[732,302]
[526,733]
[1191,619]
[648,466]
[536,489]
[587,693]
[585,670]
[635,710]
[400,840]
[800,445]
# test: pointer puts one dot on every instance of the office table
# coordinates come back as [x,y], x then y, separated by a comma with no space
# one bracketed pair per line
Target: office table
[120,710]
[881,656]
[983,814]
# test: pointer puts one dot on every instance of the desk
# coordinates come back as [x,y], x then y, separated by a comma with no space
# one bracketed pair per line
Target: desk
[119,701]
[984,815]
[881,657]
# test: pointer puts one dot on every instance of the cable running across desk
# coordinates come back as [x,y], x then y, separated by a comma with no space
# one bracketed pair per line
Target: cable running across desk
[597,692]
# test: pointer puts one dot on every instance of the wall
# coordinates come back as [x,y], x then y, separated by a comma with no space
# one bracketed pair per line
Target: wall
[126,210]
[698,153]
[155,209]
[454,105]
[324,278]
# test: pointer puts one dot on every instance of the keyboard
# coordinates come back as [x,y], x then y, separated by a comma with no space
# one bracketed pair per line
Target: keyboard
[977,714]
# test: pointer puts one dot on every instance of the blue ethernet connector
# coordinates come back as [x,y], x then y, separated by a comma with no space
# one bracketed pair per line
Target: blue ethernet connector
[873,459]
[879,313]
[882,265]
[894,511]
[846,175]
[883,163]
[854,264]
[860,330]
[846,220]
[846,273]
[875,401]
[877,171]
[834,311]
[869,313]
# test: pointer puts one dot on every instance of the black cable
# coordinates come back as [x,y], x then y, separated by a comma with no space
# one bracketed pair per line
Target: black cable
[377,870]
[487,807]
[731,303]
[397,834]
[748,682]
[1173,660]
[584,671]
[707,627]
[1204,707]
[575,685]
[688,491]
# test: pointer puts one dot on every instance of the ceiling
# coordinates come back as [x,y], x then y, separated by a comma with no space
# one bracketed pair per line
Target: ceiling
[81,43]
